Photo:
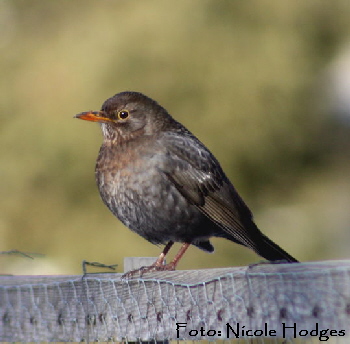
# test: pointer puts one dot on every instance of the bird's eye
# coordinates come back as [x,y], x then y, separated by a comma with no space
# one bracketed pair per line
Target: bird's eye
[123,114]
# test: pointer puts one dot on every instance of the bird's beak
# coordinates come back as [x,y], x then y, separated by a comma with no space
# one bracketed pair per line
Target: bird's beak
[94,116]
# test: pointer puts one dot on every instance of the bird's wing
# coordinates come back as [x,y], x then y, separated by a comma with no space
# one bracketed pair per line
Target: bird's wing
[198,176]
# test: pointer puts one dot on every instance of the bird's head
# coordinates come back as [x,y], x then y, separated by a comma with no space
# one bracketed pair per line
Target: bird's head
[128,115]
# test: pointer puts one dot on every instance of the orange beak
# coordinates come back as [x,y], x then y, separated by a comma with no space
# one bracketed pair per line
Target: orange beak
[93,116]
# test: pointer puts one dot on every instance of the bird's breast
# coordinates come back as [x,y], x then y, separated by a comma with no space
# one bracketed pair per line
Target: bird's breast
[141,196]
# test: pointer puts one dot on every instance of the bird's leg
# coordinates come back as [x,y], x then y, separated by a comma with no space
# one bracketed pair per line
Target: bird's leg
[160,260]
[157,265]
[172,265]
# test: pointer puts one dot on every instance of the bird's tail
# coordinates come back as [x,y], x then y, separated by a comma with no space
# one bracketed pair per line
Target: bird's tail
[267,249]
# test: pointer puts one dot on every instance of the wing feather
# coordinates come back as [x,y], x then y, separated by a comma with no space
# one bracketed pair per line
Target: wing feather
[198,176]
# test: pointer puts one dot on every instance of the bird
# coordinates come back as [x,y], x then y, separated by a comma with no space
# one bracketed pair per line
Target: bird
[164,184]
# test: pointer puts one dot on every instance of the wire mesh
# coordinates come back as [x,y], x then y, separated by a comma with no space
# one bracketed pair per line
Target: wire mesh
[268,302]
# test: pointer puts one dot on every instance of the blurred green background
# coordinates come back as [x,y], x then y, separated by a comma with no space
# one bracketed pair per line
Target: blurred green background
[252,79]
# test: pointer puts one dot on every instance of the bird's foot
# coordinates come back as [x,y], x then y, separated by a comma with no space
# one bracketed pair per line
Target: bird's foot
[145,269]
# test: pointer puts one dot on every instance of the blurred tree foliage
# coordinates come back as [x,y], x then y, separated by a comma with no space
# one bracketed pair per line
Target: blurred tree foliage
[241,75]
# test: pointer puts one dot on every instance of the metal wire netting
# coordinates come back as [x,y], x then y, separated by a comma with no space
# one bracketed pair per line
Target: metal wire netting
[268,302]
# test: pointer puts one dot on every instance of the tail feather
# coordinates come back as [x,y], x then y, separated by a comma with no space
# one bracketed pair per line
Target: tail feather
[267,249]
[261,244]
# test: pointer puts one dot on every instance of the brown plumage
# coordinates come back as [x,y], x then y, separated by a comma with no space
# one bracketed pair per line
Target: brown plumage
[165,185]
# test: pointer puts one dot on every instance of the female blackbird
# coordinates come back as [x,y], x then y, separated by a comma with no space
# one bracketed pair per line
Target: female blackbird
[165,185]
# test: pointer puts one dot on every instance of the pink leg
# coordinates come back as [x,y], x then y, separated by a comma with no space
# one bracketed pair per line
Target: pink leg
[172,265]
[160,260]
[157,265]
